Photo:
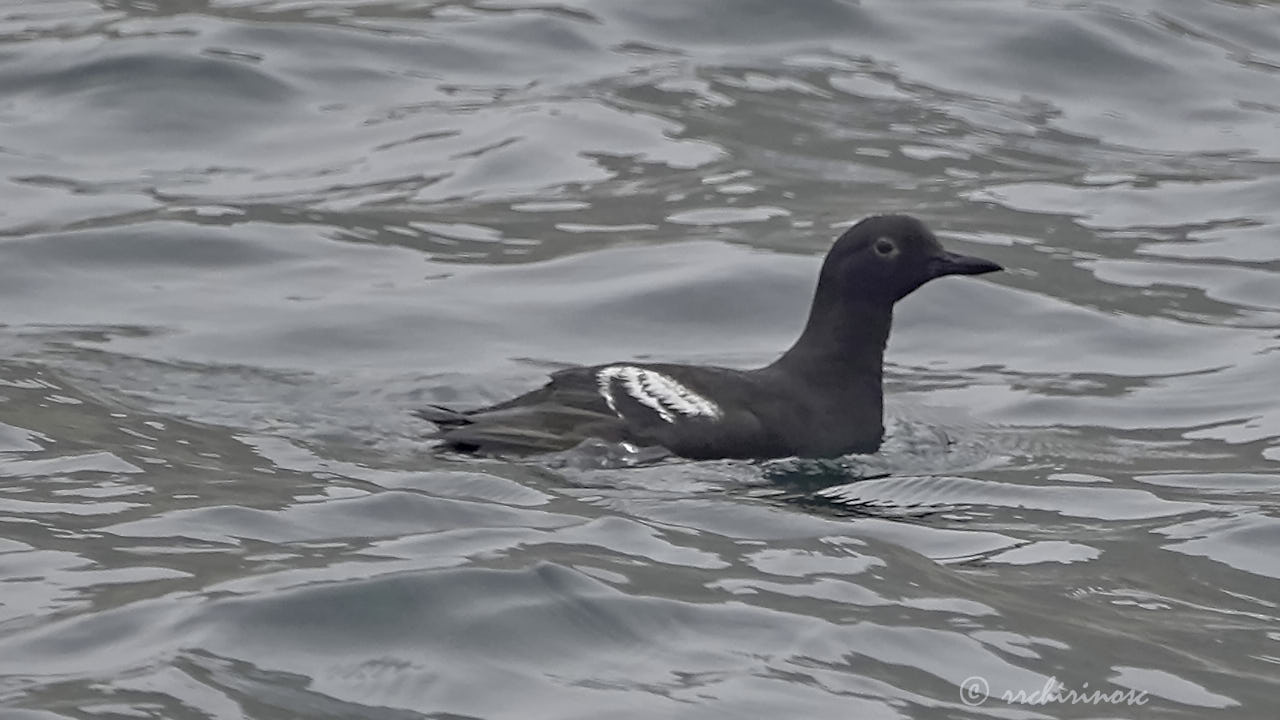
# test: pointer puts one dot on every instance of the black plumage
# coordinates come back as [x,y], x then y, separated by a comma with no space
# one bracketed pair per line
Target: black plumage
[821,398]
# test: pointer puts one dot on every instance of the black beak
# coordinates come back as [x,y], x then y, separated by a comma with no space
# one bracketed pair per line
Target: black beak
[949,263]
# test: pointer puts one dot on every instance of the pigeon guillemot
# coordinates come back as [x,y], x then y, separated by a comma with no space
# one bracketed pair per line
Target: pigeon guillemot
[822,398]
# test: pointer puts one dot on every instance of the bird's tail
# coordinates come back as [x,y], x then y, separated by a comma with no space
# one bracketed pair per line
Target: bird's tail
[443,416]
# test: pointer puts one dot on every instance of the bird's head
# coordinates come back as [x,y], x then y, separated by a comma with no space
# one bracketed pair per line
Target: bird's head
[883,258]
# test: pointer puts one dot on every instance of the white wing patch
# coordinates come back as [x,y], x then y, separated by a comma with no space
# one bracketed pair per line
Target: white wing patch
[663,394]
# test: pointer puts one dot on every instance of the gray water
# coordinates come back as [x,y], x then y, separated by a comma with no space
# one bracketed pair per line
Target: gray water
[241,239]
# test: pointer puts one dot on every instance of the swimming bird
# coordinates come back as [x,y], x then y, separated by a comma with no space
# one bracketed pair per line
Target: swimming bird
[821,398]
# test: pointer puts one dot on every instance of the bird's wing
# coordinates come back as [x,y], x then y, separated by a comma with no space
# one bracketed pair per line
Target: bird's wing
[643,404]
[556,416]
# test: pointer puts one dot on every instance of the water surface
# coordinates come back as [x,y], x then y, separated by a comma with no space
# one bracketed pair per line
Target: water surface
[240,240]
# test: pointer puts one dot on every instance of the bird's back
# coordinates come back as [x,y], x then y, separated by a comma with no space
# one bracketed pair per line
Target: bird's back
[695,412]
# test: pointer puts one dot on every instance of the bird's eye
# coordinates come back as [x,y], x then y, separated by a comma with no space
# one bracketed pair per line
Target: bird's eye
[886,248]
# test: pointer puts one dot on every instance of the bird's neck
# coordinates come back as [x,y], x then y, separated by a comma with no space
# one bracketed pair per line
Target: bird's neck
[841,341]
